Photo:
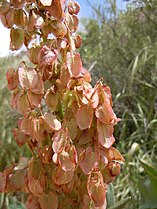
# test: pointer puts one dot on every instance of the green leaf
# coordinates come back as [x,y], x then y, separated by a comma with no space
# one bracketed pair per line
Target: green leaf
[110,195]
[121,204]
[149,169]
[148,187]
[14,203]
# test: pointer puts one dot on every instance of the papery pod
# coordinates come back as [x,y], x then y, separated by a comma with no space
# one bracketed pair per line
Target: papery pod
[18,4]
[28,37]
[59,29]
[12,78]
[97,189]
[3,19]
[31,21]
[114,168]
[72,22]
[89,204]
[86,203]
[48,200]
[64,80]
[39,88]
[51,122]
[87,163]
[35,166]
[113,155]
[66,203]
[95,98]
[9,18]
[18,180]
[78,41]
[4,6]
[35,186]
[32,202]
[52,98]
[105,134]
[7,173]
[84,117]
[105,113]
[34,99]
[2,182]
[20,18]
[106,93]
[74,65]
[23,126]
[62,177]
[73,7]
[61,43]
[47,56]
[69,122]
[32,127]
[33,54]
[40,131]
[86,136]
[65,161]
[20,137]
[47,155]
[55,9]
[27,76]
[59,140]
[14,99]
[23,104]
[17,38]
[108,177]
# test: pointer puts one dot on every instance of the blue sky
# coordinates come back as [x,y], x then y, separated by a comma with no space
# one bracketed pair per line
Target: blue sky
[86,11]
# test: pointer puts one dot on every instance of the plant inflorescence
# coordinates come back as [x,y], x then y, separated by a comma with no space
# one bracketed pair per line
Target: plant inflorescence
[66,123]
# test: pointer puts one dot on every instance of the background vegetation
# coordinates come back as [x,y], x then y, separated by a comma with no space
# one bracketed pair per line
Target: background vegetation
[120,47]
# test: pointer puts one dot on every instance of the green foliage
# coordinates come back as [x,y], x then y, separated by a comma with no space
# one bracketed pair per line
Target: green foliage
[148,189]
